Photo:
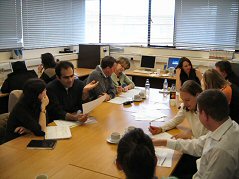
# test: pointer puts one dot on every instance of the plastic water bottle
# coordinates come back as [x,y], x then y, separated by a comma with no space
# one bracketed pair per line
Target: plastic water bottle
[165,87]
[147,88]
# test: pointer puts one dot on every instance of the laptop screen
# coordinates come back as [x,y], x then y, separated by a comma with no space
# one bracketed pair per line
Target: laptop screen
[173,62]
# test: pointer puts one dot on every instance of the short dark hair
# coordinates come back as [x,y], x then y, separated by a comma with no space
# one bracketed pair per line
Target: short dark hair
[48,60]
[136,155]
[63,65]
[191,87]
[107,61]
[184,59]
[214,103]
[225,66]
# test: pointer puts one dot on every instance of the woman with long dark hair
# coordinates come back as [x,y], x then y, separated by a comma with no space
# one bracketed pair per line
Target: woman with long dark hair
[185,71]
[29,114]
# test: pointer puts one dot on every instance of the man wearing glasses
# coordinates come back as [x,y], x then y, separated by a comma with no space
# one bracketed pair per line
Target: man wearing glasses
[66,94]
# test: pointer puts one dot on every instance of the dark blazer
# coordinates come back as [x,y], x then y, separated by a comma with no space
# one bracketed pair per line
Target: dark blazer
[16,80]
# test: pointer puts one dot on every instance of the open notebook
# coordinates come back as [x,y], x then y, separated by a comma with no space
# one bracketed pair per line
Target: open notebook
[57,132]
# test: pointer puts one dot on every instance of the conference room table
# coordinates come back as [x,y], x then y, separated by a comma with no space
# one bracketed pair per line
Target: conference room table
[86,154]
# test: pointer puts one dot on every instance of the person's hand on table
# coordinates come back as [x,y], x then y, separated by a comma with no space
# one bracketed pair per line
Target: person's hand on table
[82,117]
[21,130]
[126,88]
[155,130]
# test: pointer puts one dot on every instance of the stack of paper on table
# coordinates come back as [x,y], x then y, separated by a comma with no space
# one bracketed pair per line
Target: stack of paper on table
[125,96]
[165,156]
[57,132]
[90,120]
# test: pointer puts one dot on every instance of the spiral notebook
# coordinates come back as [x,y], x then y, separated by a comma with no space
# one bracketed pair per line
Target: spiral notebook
[57,132]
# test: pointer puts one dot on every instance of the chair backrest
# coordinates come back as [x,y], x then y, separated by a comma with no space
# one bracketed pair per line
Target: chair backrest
[13,99]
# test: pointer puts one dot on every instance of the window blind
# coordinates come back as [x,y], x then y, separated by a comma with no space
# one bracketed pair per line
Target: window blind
[124,21]
[162,22]
[49,23]
[10,24]
[206,24]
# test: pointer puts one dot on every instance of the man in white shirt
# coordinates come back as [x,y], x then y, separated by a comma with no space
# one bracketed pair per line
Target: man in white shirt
[219,149]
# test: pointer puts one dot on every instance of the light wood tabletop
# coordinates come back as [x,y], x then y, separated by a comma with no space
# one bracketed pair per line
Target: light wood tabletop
[87,150]
[81,72]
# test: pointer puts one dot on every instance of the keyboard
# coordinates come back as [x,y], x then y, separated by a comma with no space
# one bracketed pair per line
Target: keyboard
[142,71]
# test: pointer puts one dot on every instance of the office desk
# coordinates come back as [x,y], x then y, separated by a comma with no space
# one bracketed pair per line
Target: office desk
[83,73]
[87,149]
[155,80]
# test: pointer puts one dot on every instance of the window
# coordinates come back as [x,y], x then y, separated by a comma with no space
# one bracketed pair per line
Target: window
[49,23]
[10,24]
[124,21]
[206,24]
[92,14]
[162,22]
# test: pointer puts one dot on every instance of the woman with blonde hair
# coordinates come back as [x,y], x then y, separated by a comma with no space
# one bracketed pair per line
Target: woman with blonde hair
[120,80]
[213,80]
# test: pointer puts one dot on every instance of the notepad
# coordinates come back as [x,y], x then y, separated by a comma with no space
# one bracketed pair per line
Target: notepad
[57,132]
[42,144]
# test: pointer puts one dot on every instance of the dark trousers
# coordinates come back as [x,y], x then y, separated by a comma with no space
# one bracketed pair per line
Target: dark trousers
[186,167]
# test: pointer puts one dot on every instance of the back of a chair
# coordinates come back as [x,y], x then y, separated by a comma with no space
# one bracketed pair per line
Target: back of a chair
[13,99]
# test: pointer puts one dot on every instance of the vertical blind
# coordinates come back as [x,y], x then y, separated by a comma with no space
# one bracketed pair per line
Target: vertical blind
[10,24]
[50,23]
[124,21]
[206,24]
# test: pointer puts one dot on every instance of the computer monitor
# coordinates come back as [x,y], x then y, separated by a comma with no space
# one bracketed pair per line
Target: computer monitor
[173,62]
[147,62]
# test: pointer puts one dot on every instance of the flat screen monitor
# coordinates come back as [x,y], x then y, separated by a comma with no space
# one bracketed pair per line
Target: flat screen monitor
[147,62]
[173,62]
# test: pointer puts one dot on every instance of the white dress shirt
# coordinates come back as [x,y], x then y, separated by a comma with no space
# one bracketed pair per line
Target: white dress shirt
[197,128]
[219,152]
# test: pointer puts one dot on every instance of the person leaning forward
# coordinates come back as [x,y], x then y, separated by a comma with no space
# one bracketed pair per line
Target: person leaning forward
[66,94]
[219,148]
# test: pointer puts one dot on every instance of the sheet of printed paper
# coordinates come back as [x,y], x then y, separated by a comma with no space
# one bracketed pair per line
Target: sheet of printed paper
[149,115]
[119,100]
[87,107]
[165,156]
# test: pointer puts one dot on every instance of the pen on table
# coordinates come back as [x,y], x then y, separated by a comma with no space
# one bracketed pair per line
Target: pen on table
[156,120]
[163,160]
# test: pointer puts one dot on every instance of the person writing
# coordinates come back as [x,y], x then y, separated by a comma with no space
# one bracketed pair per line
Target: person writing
[29,114]
[218,150]
[188,92]
[185,71]
[120,80]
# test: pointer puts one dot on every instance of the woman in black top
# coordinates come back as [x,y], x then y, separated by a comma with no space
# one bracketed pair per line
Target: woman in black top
[48,65]
[185,71]
[225,69]
[29,114]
